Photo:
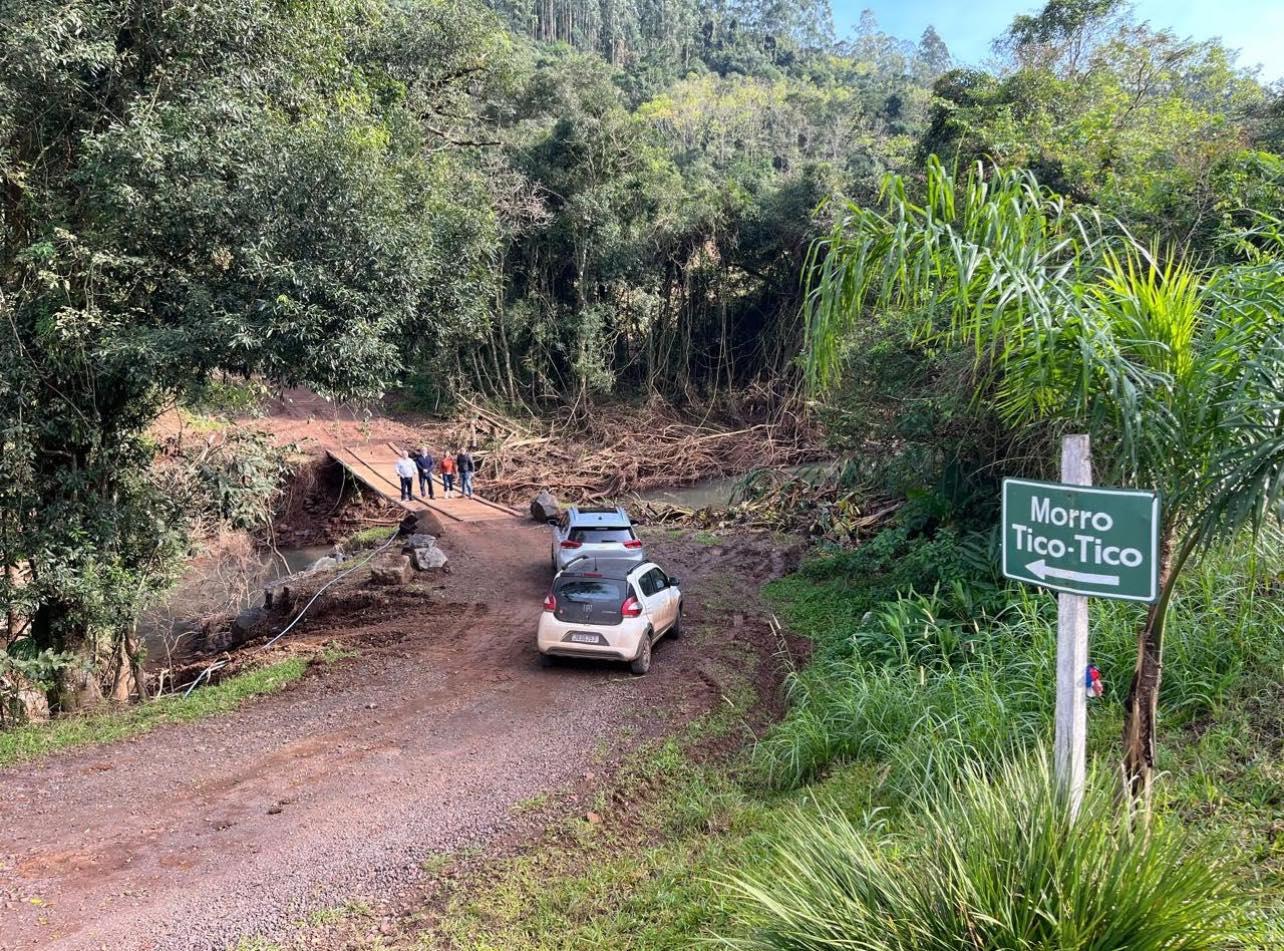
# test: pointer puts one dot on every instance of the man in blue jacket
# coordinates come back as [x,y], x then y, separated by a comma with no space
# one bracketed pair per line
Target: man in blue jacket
[424,462]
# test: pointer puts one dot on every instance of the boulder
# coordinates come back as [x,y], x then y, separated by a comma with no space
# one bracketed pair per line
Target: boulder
[429,559]
[545,506]
[33,704]
[419,540]
[392,572]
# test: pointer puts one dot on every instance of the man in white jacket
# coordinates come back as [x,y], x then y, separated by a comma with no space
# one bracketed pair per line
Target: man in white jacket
[406,470]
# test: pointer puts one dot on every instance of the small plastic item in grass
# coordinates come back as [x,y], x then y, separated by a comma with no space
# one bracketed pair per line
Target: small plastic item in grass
[1092,681]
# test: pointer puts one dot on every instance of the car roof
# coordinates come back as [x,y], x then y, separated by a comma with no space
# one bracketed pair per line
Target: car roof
[599,515]
[615,569]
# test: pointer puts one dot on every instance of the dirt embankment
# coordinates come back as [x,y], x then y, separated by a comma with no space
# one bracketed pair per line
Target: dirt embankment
[349,783]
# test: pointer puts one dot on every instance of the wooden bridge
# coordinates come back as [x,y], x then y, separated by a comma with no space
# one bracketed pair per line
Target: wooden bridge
[373,465]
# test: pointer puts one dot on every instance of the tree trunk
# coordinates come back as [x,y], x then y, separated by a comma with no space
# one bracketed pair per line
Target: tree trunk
[75,687]
[126,678]
[78,689]
[1142,705]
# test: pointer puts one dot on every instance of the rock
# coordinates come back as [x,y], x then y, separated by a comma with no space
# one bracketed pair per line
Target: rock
[324,563]
[419,540]
[429,559]
[593,818]
[545,506]
[393,572]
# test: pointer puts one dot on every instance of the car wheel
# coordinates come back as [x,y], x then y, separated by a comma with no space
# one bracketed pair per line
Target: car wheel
[643,663]
[676,630]
[547,660]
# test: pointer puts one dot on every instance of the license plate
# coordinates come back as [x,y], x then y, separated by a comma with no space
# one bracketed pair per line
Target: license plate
[586,638]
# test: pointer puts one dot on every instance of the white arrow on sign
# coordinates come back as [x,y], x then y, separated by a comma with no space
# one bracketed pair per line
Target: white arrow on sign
[1041,571]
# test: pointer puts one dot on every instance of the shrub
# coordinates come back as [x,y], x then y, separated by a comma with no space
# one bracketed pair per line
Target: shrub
[994,863]
[964,672]
[917,691]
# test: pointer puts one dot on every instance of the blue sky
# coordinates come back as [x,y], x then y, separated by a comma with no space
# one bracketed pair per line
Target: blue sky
[1256,27]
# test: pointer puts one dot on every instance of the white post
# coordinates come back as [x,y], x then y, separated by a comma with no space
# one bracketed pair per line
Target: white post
[1072,651]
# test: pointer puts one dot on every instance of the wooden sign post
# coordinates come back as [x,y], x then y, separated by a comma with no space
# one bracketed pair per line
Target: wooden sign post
[1081,541]
[1070,749]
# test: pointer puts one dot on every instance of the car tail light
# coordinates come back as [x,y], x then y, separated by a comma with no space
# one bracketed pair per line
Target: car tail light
[570,544]
[550,602]
[630,607]
[633,543]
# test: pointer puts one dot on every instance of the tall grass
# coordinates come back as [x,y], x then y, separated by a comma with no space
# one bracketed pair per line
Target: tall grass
[993,864]
[928,679]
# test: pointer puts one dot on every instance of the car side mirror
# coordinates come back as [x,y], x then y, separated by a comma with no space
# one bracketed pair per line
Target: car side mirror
[674,582]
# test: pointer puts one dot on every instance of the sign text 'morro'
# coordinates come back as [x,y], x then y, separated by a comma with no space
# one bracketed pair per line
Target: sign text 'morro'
[1085,540]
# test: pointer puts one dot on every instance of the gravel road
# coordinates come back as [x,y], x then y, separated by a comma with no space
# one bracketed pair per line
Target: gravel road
[347,783]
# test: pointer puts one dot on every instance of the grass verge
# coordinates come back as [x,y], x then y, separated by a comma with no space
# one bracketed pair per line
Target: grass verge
[367,538]
[904,691]
[40,739]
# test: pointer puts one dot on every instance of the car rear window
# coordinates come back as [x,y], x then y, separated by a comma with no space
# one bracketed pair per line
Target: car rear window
[590,590]
[600,536]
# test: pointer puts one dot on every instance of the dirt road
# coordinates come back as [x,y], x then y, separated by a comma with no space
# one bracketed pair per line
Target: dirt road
[347,783]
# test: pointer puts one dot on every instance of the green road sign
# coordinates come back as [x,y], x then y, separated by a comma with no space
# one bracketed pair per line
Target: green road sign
[1099,542]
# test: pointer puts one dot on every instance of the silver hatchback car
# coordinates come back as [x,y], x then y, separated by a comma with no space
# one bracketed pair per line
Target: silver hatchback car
[593,532]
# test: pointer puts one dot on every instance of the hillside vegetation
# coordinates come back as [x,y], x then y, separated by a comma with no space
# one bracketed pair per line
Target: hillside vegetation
[536,202]
[549,205]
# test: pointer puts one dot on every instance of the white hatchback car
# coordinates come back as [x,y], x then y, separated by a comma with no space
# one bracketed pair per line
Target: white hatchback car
[614,610]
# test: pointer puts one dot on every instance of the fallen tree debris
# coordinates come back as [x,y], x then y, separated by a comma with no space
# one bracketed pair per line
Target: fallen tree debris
[607,454]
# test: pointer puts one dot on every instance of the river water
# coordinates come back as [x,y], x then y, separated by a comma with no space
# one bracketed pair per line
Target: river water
[172,631]
[722,491]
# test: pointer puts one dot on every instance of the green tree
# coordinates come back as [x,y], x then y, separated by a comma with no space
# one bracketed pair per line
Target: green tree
[1175,368]
[1108,112]
[191,189]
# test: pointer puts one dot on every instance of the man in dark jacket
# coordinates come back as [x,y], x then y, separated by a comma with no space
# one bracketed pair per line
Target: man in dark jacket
[464,463]
[424,462]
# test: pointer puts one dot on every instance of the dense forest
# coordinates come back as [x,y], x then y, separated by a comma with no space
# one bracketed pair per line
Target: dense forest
[534,201]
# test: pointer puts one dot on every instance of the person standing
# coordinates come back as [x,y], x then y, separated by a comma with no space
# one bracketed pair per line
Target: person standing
[406,473]
[424,462]
[464,463]
[448,473]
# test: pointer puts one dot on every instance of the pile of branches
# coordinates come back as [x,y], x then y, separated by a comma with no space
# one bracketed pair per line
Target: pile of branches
[825,506]
[591,455]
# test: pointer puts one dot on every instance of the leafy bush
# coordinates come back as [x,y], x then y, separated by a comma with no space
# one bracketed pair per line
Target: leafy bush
[232,481]
[994,863]
[928,679]
[919,691]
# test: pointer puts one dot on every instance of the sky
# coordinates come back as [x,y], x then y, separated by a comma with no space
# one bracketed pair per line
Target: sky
[1256,27]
